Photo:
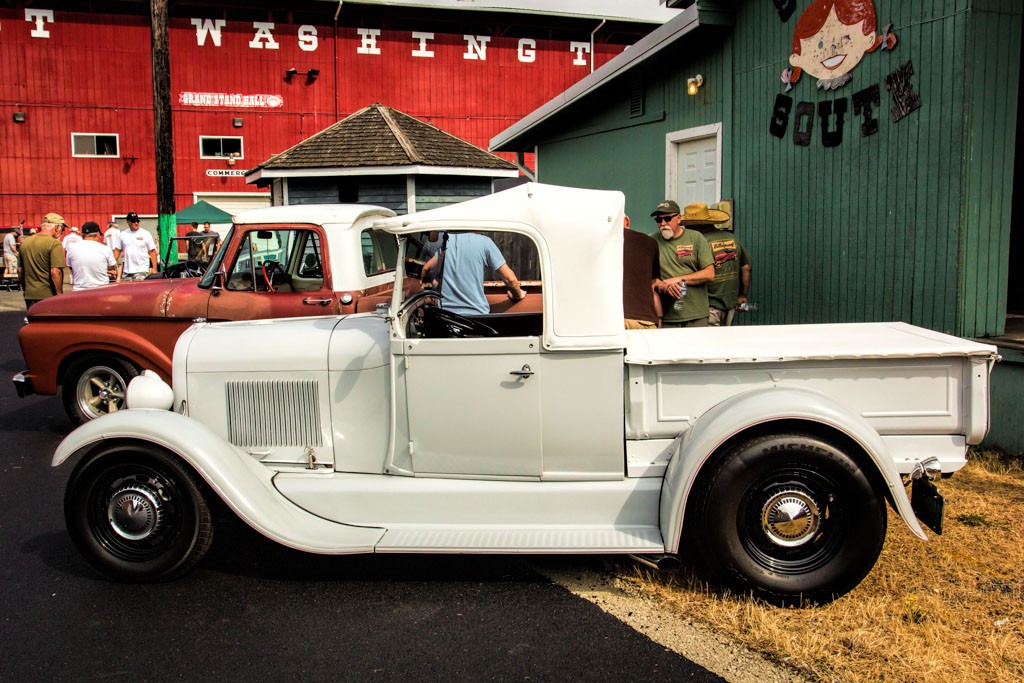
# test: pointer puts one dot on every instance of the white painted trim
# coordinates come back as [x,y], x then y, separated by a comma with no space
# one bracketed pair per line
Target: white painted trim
[649,11]
[410,193]
[241,146]
[196,196]
[413,169]
[675,138]
[115,155]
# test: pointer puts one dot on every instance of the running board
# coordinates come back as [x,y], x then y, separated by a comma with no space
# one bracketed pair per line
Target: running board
[533,540]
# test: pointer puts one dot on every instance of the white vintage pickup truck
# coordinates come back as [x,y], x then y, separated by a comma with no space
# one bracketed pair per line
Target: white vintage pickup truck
[767,454]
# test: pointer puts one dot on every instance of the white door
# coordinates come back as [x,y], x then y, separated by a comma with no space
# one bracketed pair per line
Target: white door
[474,406]
[694,173]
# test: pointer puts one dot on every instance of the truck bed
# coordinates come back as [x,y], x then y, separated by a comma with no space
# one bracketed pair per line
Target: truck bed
[790,343]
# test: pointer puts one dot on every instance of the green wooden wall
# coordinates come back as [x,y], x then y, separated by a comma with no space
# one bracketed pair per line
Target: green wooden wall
[911,223]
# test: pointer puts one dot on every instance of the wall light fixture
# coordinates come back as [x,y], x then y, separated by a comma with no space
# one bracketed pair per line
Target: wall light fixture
[693,84]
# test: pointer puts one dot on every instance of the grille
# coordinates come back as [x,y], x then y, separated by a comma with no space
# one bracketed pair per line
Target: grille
[266,412]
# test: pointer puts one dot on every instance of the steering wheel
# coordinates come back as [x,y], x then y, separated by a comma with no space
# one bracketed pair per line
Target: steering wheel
[419,299]
[411,314]
[440,322]
[269,269]
[192,269]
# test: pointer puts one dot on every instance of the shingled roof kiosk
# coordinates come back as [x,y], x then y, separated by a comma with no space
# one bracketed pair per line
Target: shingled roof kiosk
[379,155]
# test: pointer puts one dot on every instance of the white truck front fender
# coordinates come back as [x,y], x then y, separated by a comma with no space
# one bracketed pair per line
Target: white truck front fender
[694,448]
[243,483]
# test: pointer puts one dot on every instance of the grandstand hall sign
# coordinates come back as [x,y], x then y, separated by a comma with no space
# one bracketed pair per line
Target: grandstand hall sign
[210,32]
[231,100]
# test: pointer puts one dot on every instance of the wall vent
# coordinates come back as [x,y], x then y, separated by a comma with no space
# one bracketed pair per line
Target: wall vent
[636,102]
[266,412]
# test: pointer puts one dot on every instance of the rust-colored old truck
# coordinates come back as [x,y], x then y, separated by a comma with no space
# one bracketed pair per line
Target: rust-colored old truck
[279,262]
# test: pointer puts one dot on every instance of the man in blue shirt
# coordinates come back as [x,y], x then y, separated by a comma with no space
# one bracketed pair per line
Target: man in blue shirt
[464,258]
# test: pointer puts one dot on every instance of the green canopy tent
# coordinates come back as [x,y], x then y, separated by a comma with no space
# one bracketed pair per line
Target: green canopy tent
[200,212]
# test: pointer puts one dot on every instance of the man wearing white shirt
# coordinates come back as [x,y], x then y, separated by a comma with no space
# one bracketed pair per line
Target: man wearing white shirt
[91,261]
[71,238]
[138,250]
[11,253]
[112,238]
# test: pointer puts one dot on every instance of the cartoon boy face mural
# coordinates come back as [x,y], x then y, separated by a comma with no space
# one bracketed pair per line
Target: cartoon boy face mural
[831,38]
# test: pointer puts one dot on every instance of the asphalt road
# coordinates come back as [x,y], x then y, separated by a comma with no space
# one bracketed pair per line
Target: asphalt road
[253,611]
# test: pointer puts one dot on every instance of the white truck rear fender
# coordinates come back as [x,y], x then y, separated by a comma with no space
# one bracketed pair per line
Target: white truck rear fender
[242,482]
[695,448]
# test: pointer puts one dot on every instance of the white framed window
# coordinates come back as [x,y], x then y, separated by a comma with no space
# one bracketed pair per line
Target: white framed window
[95,145]
[211,147]
[693,164]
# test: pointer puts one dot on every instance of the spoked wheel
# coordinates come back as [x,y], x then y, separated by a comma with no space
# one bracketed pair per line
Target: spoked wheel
[137,513]
[790,517]
[95,386]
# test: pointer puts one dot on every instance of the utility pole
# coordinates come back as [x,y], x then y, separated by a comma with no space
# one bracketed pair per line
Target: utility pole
[162,126]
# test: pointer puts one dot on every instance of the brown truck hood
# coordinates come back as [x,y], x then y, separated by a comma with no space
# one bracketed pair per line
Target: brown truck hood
[176,298]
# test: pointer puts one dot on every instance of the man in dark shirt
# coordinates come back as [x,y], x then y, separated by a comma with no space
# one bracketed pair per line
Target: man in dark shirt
[641,306]
[195,245]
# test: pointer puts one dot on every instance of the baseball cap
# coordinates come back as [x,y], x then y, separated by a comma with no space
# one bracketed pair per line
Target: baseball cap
[667,206]
[90,228]
[132,217]
[54,218]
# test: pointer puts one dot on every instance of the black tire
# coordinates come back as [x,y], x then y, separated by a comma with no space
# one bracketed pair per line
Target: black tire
[94,386]
[137,513]
[790,517]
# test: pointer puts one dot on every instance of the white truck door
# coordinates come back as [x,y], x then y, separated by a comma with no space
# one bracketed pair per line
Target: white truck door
[474,406]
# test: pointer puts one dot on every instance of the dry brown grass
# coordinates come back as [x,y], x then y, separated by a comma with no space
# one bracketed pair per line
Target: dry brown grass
[950,609]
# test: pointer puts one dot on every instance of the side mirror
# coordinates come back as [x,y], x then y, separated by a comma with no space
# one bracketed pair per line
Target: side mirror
[218,282]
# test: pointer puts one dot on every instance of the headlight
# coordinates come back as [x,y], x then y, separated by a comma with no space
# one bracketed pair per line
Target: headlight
[149,391]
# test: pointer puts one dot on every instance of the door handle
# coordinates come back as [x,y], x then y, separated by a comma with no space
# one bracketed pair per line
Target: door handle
[525,372]
[309,301]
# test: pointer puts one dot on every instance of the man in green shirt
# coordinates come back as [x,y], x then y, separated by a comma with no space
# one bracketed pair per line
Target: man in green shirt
[687,266]
[41,261]
[733,271]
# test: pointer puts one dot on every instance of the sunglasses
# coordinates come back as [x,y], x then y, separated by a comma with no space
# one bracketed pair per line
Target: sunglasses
[665,219]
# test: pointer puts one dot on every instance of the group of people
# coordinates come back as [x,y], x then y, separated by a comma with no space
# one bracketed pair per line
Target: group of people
[203,244]
[94,258]
[696,275]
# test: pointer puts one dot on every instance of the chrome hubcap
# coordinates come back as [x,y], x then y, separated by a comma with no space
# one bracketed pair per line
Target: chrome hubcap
[790,518]
[134,512]
[101,391]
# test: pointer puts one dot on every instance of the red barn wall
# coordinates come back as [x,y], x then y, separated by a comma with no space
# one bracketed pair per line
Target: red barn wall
[92,74]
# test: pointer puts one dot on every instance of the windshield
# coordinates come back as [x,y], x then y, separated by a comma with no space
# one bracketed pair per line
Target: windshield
[215,263]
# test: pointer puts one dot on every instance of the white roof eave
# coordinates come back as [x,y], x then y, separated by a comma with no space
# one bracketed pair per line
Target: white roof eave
[649,12]
[665,35]
[414,169]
